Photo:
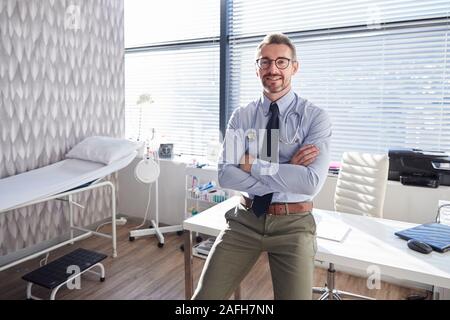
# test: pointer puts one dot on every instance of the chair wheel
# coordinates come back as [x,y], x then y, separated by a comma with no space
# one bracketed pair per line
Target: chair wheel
[102,279]
[198,239]
[179,233]
[131,238]
[160,245]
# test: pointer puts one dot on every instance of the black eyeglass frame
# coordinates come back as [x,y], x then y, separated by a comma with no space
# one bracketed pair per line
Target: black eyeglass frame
[274,60]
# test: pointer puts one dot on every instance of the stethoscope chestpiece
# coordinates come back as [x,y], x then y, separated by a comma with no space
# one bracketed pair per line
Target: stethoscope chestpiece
[296,140]
[251,135]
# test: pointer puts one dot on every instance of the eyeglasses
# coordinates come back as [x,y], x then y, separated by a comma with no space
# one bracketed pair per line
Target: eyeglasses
[265,63]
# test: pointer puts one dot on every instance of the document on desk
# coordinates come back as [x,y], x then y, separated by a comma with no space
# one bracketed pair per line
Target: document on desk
[332,229]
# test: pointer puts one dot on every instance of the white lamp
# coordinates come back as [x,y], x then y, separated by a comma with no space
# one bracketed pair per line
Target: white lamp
[147,171]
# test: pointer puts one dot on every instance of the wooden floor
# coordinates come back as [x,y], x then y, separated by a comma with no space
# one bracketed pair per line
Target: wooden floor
[144,271]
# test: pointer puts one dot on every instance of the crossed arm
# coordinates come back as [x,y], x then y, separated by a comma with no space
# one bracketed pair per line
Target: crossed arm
[304,174]
[303,157]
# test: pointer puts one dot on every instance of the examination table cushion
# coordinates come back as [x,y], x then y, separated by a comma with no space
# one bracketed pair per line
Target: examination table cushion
[56,178]
[102,149]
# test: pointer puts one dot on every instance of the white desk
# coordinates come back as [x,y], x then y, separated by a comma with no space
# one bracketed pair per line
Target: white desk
[371,242]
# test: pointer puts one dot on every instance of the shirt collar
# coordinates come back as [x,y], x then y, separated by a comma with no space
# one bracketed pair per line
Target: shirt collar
[283,103]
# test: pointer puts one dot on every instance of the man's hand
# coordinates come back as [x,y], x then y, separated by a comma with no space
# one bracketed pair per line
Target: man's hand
[305,155]
[246,163]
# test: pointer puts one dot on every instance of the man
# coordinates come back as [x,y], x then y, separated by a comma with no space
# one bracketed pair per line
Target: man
[280,172]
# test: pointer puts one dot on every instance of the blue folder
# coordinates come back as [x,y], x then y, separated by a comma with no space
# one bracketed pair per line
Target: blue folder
[435,234]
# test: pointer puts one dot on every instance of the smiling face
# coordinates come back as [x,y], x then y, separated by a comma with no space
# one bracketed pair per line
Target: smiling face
[276,82]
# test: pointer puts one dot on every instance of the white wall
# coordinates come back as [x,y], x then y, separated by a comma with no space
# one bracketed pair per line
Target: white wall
[61,80]
[133,195]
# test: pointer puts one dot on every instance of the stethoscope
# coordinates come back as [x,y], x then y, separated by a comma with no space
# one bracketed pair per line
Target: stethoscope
[251,135]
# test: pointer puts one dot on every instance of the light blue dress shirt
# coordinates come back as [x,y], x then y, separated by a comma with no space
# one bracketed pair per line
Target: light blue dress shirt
[290,183]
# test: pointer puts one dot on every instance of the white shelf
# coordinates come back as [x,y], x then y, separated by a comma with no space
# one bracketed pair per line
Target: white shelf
[206,173]
[201,200]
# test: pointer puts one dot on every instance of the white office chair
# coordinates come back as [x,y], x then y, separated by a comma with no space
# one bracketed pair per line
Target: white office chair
[360,189]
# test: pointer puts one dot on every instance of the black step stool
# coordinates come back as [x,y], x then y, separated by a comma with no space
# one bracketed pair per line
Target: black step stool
[63,270]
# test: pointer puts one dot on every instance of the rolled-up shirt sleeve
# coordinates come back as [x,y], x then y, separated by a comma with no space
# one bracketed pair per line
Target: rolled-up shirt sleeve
[297,178]
[233,148]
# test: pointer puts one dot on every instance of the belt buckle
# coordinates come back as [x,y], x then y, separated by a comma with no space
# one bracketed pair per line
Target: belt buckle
[251,204]
[245,203]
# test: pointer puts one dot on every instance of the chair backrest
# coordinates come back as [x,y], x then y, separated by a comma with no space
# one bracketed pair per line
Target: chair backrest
[361,184]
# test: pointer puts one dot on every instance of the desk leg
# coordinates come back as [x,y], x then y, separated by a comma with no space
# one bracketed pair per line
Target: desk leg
[440,293]
[188,263]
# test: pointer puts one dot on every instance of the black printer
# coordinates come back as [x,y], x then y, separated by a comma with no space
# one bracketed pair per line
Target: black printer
[419,167]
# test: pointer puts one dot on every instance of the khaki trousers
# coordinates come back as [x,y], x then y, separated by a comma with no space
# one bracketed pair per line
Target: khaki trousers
[290,241]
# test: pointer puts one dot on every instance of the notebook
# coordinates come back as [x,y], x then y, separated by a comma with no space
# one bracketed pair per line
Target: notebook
[332,229]
[435,234]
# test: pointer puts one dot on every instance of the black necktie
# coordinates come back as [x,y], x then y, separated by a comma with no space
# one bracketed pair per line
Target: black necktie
[262,203]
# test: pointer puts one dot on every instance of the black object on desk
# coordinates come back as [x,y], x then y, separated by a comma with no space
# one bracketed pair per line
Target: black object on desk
[419,246]
[436,235]
[418,167]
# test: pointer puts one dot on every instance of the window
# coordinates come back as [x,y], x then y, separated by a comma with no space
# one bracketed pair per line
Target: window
[380,68]
[168,21]
[172,72]
[184,88]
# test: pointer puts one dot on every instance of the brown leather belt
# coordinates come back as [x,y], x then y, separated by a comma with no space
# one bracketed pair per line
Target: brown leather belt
[282,209]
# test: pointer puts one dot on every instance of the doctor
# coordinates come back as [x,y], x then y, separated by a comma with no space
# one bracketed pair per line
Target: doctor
[279,173]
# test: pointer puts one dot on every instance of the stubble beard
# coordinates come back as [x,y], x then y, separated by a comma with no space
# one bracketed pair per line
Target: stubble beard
[275,89]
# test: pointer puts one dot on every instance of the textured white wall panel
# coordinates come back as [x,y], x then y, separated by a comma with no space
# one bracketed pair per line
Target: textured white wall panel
[61,80]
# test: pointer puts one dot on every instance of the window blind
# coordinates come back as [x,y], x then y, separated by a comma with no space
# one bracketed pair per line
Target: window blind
[255,17]
[384,87]
[184,87]
[172,72]
[150,22]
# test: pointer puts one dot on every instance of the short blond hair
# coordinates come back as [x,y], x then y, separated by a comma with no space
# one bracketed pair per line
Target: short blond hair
[277,38]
